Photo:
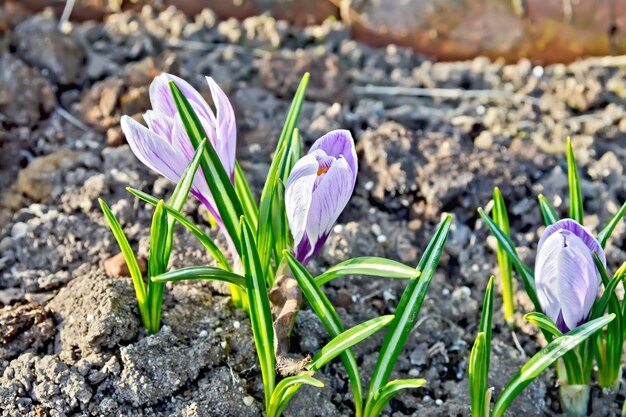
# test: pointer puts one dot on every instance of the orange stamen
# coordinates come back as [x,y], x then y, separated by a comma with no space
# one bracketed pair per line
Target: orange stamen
[322,170]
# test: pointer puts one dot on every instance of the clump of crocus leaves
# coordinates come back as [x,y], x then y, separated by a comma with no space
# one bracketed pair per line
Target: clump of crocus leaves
[570,267]
[270,242]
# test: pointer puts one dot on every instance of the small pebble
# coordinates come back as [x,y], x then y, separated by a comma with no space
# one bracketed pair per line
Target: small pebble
[248,400]
[236,324]
[203,333]
[19,230]
[438,401]
[369,186]
[223,344]
[445,292]
[381,238]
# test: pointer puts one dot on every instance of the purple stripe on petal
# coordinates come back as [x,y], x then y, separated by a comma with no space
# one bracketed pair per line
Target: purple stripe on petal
[160,124]
[578,281]
[226,127]
[339,143]
[578,230]
[299,194]
[152,150]
[329,200]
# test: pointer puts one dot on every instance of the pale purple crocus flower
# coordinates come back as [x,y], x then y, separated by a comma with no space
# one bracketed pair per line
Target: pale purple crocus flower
[318,189]
[566,276]
[165,146]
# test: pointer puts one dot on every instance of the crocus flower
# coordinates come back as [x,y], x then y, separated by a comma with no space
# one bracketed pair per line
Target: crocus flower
[566,276]
[165,146]
[318,189]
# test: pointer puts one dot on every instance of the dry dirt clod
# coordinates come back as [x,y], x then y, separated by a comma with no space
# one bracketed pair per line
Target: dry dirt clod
[24,327]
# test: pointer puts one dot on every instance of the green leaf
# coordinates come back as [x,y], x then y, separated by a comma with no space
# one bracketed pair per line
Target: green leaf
[131,262]
[575,195]
[390,390]
[264,238]
[407,311]
[544,322]
[522,269]
[225,197]
[206,241]
[250,209]
[486,318]
[179,196]
[208,273]
[325,311]
[283,389]
[609,291]
[156,264]
[501,218]
[280,228]
[604,235]
[547,211]
[347,339]
[260,312]
[478,376]
[368,265]
[543,359]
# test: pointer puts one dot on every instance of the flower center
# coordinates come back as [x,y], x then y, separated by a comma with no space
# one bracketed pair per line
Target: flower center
[322,170]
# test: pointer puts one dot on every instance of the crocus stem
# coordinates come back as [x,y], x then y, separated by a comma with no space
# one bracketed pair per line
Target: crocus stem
[575,399]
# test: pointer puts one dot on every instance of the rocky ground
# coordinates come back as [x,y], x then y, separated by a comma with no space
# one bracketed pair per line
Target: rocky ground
[70,339]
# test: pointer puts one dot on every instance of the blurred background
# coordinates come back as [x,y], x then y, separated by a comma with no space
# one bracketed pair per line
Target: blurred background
[546,31]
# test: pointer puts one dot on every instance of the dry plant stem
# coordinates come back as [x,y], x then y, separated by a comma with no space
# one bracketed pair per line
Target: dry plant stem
[449,93]
[285,298]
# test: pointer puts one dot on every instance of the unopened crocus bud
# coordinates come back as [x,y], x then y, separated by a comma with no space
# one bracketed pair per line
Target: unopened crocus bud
[318,189]
[566,275]
[165,146]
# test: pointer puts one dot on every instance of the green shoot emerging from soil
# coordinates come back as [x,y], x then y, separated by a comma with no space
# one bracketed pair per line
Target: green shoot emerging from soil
[569,268]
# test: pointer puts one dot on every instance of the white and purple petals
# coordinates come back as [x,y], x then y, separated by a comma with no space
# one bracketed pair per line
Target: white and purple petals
[164,145]
[318,189]
[566,275]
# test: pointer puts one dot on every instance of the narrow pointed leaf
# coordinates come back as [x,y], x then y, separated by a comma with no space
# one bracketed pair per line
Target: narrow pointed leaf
[543,359]
[547,211]
[207,273]
[390,390]
[282,391]
[575,195]
[407,311]
[156,264]
[131,262]
[368,265]
[206,241]
[487,317]
[522,269]
[325,311]
[226,199]
[604,235]
[501,218]
[347,339]
[180,194]
[260,312]
[250,209]
[544,322]
[264,237]
[478,378]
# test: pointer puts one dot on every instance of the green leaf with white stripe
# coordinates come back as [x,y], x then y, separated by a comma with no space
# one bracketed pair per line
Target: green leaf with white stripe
[370,266]
[543,359]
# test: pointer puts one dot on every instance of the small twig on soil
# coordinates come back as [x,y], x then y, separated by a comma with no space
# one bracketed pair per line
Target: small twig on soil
[65,16]
[71,119]
[447,93]
[517,345]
